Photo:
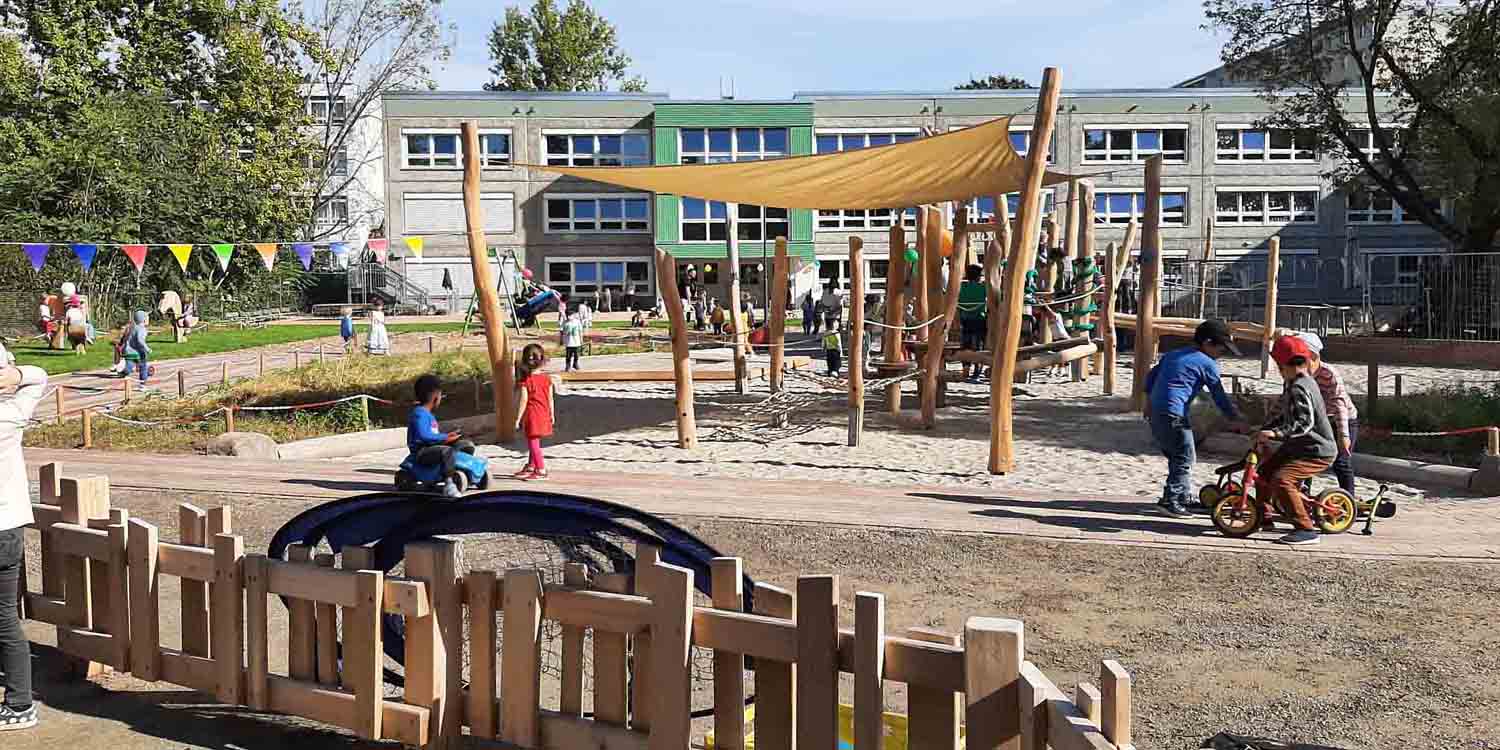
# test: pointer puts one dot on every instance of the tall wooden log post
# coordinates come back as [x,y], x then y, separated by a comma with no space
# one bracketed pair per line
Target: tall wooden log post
[777,315]
[856,340]
[993,255]
[1203,269]
[932,273]
[919,275]
[1086,259]
[1145,316]
[1071,250]
[895,313]
[1273,272]
[1046,282]
[1022,256]
[939,339]
[682,362]
[1107,318]
[502,361]
[736,322]
[1122,257]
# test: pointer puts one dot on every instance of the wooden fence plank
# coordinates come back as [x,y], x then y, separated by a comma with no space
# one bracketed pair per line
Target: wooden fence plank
[671,591]
[256,593]
[646,557]
[1032,686]
[993,652]
[1115,687]
[145,602]
[611,670]
[520,664]
[775,682]
[49,480]
[479,588]
[570,699]
[817,662]
[229,618]
[369,693]
[932,713]
[118,590]
[302,625]
[728,587]
[434,643]
[327,617]
[869,670]
[192,530]
[1089,703]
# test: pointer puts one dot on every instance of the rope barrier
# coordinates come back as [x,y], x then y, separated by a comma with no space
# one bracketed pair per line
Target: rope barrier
[300,407]
[1434,434]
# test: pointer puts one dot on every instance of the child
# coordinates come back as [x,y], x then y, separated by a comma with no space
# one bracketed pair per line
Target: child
[135,343]
[717,317]
[832,350]
[378,341]
[21,389]
[346,328]
[572,341]
[973,298]
[1307,443]
[1341,412]
[428,444]
[1171,387]
[536,413]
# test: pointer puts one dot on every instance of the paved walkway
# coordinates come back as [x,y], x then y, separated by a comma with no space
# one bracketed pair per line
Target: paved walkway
[1449,530]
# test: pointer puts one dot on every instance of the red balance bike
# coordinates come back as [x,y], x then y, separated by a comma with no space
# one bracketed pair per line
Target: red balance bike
[1238,513]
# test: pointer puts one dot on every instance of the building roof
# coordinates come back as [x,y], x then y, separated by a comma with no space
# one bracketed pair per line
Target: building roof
[1143,93]
[608,96]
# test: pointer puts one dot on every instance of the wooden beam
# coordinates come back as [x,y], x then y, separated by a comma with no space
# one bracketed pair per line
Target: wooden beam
[1053,359]
[1150,297]
[869,670]
[1021,258]
[728,587]
[817,661]
[502,364]
[895,311]
[312,583]
[1273,274]
[932,713]
[993,652]
[856,341]
[777,314]
[682,364]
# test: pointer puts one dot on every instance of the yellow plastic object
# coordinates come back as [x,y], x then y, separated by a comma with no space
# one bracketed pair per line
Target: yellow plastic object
[895,731]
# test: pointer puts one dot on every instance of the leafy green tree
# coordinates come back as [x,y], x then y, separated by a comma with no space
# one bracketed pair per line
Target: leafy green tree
[996,81]
[1405,94]
[573,50]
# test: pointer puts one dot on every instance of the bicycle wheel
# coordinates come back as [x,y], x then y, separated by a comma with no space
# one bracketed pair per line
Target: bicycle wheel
[1333,511]
[1237,516]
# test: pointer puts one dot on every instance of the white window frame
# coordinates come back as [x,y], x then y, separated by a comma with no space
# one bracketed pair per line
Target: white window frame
[1027,129]
[1367,215]
[1285,279]
[1138,155]
[1397,132]
[547,219]
[566,287]
[1137,207]
[891,131]
[835,220]
[1265,217]
[708,222]
[336,107]
[571,158]
[327,213]
[734,152]
[1398,252]
[1268,154]
[458,151]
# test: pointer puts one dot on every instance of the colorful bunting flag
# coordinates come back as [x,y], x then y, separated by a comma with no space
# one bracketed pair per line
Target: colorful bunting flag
[340,252]
[225,250]
[414,244]
[37,253]
[379,247]
[304,251]
[85,252]
[182,253]
[267,252]
[136,254]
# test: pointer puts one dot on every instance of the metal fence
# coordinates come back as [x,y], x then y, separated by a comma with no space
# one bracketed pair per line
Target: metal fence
[1434,295]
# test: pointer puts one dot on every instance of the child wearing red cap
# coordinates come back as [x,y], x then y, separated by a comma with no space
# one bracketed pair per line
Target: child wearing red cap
[1306,436]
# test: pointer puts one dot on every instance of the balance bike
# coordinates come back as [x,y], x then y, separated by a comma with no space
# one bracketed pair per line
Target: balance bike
[1237,513]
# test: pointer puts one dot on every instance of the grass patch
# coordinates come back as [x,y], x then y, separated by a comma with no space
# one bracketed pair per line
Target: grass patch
[1436,410]
[209,341]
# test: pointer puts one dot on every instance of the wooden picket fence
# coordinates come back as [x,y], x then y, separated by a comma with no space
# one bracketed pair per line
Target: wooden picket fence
[102,571]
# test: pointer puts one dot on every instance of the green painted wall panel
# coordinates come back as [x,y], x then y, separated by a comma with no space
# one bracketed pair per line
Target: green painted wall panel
[665,151]
[733,113]
[667,224]
[802,141]
[802,225]
[711,250]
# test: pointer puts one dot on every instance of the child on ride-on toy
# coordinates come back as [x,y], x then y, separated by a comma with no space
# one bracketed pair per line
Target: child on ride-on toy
[1307,442]
[429,445]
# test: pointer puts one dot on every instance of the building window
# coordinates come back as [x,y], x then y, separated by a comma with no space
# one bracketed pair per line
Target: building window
[1266,207]
[440,149]
[340,165]
[1297,269]
[1135,144]
[332,211]
[1395,269]
[435,213]
[598,214]
[718,145]
[586,276]
[1121,207]
[708,221]
[1020,140]
[862,218]
[1365,140]
[983,208]
[752,274]
[322,109]
[1249,144]
[830,141]
[581,149]
[838,272]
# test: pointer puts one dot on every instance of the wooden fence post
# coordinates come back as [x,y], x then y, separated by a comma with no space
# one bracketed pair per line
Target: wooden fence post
[1032,686]
[1150,296]
[818,657]
[570,698]
[611,677]
[257,646]
[261,358]
[192,530]
[302,625]
[229,418]
[229,618]
[671,592]
[1089,702]
[729,667]
[993,652]
[369,692]
[61,407]
[641,680]
[88,428]
[932,715]
[869,670]
[296,359]
[434,644]
[480,586]
[520,662]
[327,616]
[1492,441]
[1398,387]
[224,372]
[1115,687]
[145,601]
[181,383]
[125,385]
[856,342]
[775,682]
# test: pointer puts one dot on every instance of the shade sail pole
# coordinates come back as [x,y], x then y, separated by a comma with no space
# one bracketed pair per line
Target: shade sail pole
[737,326]
[502,364]
[1022,257]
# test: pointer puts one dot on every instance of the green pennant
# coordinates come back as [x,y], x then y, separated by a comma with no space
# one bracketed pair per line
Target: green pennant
[225,250]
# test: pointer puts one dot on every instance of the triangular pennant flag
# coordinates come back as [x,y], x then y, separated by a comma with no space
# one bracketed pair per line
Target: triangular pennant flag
[225,250]
[379,248]
[37,253]
[267,252]
[182,253]
[414,244]
[136,254]
[304,251]
[85,252]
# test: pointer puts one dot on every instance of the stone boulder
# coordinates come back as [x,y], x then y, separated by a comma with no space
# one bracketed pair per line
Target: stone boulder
[244,445]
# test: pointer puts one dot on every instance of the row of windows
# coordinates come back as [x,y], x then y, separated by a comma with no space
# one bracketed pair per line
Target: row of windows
[439,148]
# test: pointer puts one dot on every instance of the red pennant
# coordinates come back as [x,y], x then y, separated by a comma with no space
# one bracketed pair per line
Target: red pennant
[136,254]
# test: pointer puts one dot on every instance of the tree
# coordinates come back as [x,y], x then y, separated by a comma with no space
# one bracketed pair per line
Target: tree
[575,50]
[1419,80]
[359,50]
[996,81]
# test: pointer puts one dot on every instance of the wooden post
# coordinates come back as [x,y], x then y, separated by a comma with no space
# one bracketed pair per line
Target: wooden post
[932,273]
[257,647]
[1145,314]
[1021,258]
[261,358]
[328,635]
[939,340]
[502,364]
[88,428]
[671,592]
[434,646]
[224,372]
[520,662]
[369,692]
[1089,702]
[1036,694]
[856,341]
[682,364]
[1203,267]
[192,530]
[1372,388]
[1398,387]
[775,682]
[229,618]
[728,587]
[777,314]
[570,693]
[364,412]
[126,385]
[993,254]
[817,662]
[1132,234]
[320,353]
[642,681]
[145,600]
[932,714]
[61,408]
[429,345]
[895,312]
[302,625]
[869,670]
[1107,318]
[1115,689]
[919,274]
[480,588]
[296,359]
[1046,283]
[229,418]
[1072,250]
[1492,441]
[1273,272]
[181,383]
[994,650]
[611,674]
[736,323]
[1085,258]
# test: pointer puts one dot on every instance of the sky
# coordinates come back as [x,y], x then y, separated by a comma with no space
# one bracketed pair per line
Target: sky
[772,48]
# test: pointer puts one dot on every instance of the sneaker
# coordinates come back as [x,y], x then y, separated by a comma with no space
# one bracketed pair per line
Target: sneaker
[524,474]
[11,719]
[450,490]
[538,476]
[1173,509]
[1301,536]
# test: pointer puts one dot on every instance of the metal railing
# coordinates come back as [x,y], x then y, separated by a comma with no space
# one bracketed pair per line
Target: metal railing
[374,279]
[1433,295]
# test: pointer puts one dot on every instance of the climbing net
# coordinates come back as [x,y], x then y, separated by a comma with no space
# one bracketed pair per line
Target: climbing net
[769,420]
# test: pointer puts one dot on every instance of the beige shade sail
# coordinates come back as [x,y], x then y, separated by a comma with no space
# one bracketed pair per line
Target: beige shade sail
[957,165]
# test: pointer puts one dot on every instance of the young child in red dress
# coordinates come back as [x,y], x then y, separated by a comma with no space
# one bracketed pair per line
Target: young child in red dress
[535,416]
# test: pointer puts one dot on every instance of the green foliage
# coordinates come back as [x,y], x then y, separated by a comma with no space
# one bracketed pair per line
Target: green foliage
[547,50]
[1447,407]
[996,81]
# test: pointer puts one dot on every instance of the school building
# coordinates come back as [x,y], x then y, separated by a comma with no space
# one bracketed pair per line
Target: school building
[581,237]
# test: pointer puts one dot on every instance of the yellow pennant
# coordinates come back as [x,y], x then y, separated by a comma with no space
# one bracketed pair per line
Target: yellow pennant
[182,253]
[414,244]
